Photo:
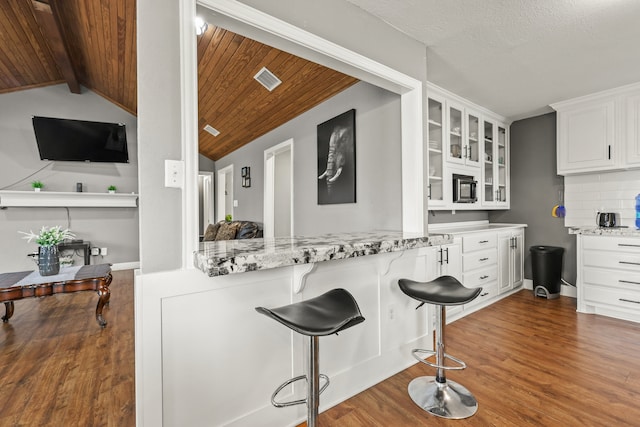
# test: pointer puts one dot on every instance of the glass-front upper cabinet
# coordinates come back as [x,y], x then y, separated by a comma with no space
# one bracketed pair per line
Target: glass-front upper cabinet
[501,173]
[488,169]
[455,133]
[436,116]
[464,135]
[472,146]
[495,171]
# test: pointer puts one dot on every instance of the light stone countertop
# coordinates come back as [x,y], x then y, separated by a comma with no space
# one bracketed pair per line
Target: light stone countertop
[597,231]
[238,256]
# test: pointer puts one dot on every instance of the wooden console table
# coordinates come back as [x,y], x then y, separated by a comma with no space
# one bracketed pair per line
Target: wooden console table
[25,284]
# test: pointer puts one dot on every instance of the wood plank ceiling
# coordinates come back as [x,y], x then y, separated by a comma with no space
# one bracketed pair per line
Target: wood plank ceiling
[238,106]
[99,39]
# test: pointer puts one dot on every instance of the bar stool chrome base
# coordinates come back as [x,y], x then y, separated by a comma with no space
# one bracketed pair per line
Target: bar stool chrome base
[447,400]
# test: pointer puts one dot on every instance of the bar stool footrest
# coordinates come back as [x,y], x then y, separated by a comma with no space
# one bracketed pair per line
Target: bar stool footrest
[417,351]
[299,401]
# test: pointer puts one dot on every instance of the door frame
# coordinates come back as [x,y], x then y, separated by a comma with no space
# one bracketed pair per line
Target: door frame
[269,186]
[221,205]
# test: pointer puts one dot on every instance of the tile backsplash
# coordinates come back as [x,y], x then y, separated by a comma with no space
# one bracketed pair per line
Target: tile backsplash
[585,195]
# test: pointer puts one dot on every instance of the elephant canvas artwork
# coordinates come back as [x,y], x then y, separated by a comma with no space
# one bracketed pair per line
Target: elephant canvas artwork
[337,159]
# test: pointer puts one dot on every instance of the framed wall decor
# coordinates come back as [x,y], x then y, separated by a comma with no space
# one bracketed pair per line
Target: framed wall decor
[337,159]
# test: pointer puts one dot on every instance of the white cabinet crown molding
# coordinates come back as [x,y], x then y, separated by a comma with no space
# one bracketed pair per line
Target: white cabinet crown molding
[609,93]
[67,199]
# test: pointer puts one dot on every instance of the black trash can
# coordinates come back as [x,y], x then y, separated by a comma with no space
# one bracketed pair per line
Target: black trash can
[546,266]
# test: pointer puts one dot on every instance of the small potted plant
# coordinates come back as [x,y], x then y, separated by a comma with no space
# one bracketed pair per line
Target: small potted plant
[37,185]
[111,189]
[48,254]
[227,217]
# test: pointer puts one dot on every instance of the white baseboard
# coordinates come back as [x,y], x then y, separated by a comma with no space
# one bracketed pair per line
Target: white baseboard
[125,266]
[567,291]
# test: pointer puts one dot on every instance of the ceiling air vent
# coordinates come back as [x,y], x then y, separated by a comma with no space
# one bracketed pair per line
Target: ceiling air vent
[213,131]
[267,79]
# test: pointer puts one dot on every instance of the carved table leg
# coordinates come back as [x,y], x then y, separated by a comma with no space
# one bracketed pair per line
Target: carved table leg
[104,294]
[8,308]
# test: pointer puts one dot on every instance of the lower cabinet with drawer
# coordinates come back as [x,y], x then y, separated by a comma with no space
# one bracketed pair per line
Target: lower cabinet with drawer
[609,276]
[481,263]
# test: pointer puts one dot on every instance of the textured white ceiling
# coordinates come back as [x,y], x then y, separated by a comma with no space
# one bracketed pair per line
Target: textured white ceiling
[515,57]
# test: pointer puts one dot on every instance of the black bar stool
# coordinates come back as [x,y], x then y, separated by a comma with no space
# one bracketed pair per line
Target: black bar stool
[326,314]
[436,395]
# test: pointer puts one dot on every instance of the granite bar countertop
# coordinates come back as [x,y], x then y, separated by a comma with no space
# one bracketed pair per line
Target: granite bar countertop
[238,256]
[601,231]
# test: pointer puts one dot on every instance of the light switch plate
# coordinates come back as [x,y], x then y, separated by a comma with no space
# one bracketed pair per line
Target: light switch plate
[174,173]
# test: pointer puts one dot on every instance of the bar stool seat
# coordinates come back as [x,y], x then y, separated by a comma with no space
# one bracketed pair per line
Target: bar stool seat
[434,394]
[329,313]
[326,314]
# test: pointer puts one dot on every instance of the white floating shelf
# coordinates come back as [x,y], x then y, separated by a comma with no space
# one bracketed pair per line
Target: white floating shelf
[50,199]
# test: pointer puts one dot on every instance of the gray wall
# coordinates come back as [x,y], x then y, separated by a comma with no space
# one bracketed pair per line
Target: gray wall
[443,217]
[159,114]
[534,190]
[378,152]
[114,228]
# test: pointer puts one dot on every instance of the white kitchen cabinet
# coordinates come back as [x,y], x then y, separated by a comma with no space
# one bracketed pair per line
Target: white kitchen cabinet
[459,139]
[492,258]
[609,276]
[599,132]
[495,174]
[445,260]
[510,259]
[633,129]
[436,152]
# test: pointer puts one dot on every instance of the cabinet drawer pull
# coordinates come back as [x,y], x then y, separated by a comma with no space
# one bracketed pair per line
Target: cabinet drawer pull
[483,277]
[484,294]
[483,259]
[629,244]
[628,300]
[483,241]
[629,281]
[629,262]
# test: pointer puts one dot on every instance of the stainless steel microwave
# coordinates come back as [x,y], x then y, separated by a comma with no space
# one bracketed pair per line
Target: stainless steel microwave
[464,189]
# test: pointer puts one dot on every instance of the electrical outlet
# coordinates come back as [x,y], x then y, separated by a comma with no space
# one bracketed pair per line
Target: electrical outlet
[392,312]
[95,251]
[173,173]
[103,251]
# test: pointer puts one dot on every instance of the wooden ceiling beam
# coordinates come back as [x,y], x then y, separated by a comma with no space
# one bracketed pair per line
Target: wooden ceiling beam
[49,24]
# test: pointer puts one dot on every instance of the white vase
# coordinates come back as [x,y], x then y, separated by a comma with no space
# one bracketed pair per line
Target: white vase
[37,190]
[112,191]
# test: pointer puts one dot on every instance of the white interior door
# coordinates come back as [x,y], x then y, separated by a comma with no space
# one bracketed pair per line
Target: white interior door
[225,193]
[278,191]
[206,214]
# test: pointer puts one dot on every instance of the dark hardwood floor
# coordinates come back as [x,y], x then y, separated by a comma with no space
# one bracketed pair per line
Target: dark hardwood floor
[531,362]
[59,368]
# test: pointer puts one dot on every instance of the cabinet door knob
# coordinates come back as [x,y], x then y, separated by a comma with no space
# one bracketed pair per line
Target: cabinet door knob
[483,277]
[484,259]
[628,300]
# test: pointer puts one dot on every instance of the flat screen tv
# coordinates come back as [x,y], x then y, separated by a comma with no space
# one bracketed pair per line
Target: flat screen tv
[81,141]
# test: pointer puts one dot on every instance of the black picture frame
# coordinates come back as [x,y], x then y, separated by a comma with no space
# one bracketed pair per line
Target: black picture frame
[337,142]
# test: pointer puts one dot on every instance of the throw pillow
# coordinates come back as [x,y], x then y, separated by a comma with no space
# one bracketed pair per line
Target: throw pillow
[210,233]
[227,231]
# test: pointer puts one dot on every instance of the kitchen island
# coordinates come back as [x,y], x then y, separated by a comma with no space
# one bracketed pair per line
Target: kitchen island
[205,357]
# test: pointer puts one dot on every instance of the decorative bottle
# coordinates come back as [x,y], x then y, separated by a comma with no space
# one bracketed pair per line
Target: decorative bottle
[638,211]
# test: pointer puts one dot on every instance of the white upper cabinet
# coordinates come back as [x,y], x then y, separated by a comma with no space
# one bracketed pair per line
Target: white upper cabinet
[599,132]
[436,151]
[633,129]
[466,139]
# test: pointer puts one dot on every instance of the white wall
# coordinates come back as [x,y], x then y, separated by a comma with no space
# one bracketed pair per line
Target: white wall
[601,192]
[378,174]
[114,228]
